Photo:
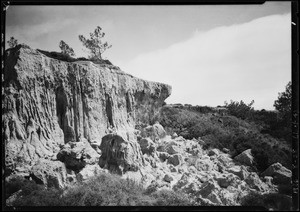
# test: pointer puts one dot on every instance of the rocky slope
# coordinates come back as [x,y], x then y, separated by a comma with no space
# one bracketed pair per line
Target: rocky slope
[47,103]
[64,122]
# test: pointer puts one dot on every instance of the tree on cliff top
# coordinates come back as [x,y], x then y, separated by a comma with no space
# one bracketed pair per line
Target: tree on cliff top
[66,49]
[95,43]
[12,42]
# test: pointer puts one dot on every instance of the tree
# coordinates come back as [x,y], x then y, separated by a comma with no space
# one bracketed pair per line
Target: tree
[12,42]
[66,49]
[240,109]
[284,107]
[284,102]
[95,43]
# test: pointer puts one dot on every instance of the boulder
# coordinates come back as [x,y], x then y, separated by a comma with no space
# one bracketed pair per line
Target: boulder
[174,135]
[207,188]
[192,169]
[254,182]
[191,188]
[224,160]
[120,155]
[245,158]
[225,180]
[78,154]
[147,146]
[225,150]
[155,132]
[228,198]
[239,171]
[89,171]
[175,159]
[163,156]
[205,165]
[169,147]
[173,169]
[213,152]
[168,178]
[280,174]
[213,197]
[268,180]
[49,173]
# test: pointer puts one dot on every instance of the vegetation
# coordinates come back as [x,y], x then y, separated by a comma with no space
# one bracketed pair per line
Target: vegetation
[12,42]
[101,190]
[274,201]
[275,123]
[68,58]
[66,49]
[228,132]
[284,102]
[240,109]
[95,43]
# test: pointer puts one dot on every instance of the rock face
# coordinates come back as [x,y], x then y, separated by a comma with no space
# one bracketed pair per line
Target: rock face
[48,103]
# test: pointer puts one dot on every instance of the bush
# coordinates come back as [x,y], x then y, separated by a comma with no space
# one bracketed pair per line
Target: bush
[39,196]
[105,189]
[240,109]
[13,185]
[170,198]
[272,201]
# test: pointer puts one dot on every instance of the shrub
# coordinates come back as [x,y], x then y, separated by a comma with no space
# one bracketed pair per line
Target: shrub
[240,109]
[107,189]
[12,42]
[66,49]
[272,201]
[13,185]
[39,196]
[166,197]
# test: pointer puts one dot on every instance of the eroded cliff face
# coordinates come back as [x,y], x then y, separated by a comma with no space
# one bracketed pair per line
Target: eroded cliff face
[47,103]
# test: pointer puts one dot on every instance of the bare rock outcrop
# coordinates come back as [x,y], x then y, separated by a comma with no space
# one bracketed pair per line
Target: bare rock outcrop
[245,158]
[147,146]
[280,174]
[120,155]
[76,155]
[155,132]
[48,103]
[49,173]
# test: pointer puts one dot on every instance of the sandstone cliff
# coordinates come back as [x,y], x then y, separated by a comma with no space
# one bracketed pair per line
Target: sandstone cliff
[47,103]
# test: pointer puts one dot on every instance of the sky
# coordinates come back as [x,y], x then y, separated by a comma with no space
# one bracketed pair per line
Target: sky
[209,54]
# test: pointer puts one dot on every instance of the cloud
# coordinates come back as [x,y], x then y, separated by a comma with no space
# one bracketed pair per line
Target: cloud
[30,32]
[239,62]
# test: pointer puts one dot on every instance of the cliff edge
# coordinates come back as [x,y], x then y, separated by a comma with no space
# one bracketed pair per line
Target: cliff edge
[47,103]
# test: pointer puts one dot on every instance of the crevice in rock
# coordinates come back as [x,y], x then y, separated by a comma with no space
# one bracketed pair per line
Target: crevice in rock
[109,109]
[61,109]
[128,103]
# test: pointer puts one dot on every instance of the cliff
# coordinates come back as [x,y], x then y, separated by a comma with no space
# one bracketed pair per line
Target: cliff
[47,103]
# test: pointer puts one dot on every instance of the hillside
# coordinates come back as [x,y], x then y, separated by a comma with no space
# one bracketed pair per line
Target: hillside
[79,133]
